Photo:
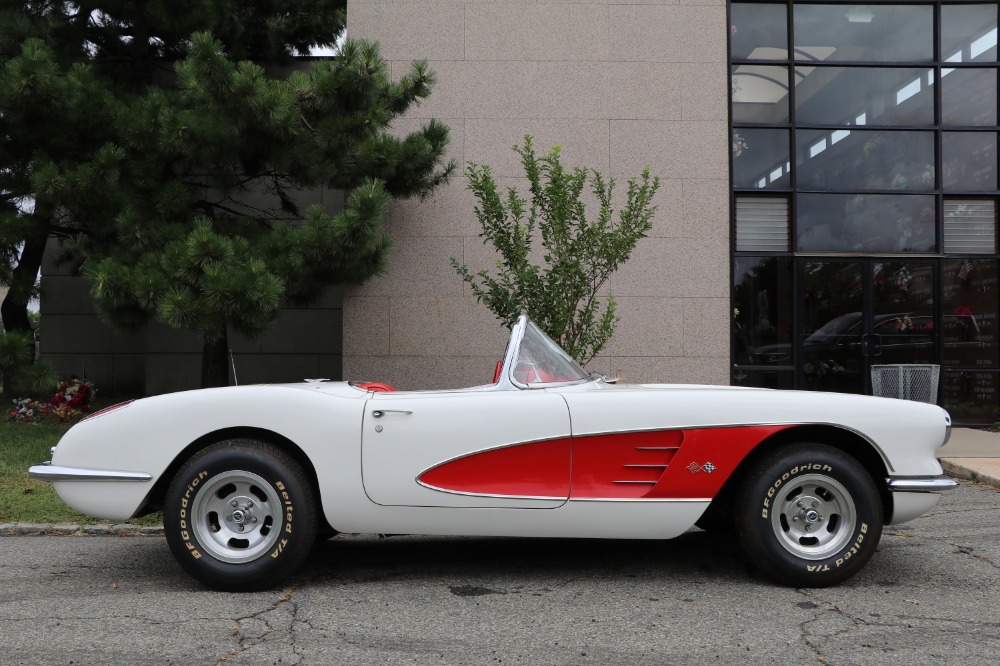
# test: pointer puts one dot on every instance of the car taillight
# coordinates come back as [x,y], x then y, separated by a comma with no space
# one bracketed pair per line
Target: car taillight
[106,410]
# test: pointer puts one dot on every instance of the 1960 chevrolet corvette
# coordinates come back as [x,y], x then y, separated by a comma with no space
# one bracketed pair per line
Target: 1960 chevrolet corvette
[248,477]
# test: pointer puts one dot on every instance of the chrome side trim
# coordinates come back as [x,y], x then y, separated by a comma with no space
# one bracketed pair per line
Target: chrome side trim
[921,484]
[49,472]
[551,498]
[719,426]
[640,500]
[570,499]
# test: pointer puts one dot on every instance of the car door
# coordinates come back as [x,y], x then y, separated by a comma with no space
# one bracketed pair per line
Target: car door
[508,449]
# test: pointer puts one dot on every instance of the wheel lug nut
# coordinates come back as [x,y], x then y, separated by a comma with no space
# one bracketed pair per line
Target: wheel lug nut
[799,504]
[250,504]
[807,528]
[254,519]
[815,504]
[241,528]
[795,519]
[234,504]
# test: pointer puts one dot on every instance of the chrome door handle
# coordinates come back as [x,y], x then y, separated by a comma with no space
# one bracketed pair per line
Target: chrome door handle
[379,413]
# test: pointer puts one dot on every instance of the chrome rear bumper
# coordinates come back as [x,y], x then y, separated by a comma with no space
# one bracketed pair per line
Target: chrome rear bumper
[921,484]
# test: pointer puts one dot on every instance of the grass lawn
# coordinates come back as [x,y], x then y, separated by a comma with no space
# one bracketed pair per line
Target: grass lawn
[25,500]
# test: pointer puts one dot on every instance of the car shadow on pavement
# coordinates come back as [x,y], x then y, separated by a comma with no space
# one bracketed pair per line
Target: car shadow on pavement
[370,558]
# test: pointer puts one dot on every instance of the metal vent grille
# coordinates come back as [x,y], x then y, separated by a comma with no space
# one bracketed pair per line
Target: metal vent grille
[969,226]
[762,224]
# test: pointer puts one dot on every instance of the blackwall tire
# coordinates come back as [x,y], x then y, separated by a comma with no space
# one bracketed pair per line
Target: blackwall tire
[809,515]
[240,515]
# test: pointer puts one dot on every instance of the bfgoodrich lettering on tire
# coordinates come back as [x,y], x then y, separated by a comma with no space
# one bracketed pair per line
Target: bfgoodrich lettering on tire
[240,515]
[809,515]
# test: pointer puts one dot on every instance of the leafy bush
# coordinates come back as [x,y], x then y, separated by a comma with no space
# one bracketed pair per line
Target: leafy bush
[579,255]
[21,376]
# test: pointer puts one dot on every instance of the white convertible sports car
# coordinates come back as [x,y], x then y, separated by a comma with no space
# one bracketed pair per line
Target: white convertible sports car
[249,476]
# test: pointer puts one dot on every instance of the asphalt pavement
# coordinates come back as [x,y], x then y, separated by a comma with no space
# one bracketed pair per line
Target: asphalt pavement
[927,597]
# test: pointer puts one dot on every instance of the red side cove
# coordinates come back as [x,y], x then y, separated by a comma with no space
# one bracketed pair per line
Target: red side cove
[112,408]
[539,469]
[663,464]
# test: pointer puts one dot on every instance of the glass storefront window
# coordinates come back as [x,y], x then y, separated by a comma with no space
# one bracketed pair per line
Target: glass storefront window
[969,96]
[971,396]
[761,158]
[772,379]
[864,96]
[969,33]
[759,31]
[969,160]
[862,135]
[865,223]
[969,312]
[760,94]
[762,310]
[867,33]
[865,159]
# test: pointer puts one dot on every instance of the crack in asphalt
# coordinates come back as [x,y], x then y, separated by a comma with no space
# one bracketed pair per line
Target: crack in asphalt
[815,640]
[969,550]
[243,626]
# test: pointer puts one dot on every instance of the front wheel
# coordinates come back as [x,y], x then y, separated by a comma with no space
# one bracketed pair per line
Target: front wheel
[240,515]
[810,515]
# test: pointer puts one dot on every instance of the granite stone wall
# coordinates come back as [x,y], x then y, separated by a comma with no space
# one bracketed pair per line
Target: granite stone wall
[618,85]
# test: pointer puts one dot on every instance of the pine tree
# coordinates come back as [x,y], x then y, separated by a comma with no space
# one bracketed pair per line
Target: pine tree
[138,130]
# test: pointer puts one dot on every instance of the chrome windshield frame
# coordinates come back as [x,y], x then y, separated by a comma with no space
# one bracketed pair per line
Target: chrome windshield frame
[507,381]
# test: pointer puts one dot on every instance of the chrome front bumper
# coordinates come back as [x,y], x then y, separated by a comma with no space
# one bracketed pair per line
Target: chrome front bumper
[49,472]
[913,496]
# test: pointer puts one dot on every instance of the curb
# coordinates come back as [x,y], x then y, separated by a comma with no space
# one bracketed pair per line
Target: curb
[43,529]
[961,472]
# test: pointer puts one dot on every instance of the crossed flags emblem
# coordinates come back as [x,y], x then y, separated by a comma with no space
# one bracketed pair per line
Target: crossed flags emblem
[694,468]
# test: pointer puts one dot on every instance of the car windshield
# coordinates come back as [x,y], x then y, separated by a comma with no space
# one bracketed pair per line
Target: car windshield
[542,361]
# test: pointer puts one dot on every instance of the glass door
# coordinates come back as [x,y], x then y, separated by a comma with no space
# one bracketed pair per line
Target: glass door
[833,327]
[862,312]
[902,325]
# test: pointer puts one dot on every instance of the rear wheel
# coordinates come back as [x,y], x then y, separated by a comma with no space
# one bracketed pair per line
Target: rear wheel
[240,515]
[810,515]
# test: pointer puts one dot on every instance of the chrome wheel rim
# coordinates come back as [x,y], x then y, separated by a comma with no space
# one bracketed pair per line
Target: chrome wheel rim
[236,516]
[813,516]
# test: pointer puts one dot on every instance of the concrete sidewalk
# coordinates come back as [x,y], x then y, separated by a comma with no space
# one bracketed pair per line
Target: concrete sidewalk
[973,455]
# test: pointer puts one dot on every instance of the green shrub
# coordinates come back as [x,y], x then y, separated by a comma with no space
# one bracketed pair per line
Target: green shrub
[22,377]
[579,255]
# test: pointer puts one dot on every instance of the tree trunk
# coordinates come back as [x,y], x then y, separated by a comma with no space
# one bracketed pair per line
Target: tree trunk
[15,306]
[215,362]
